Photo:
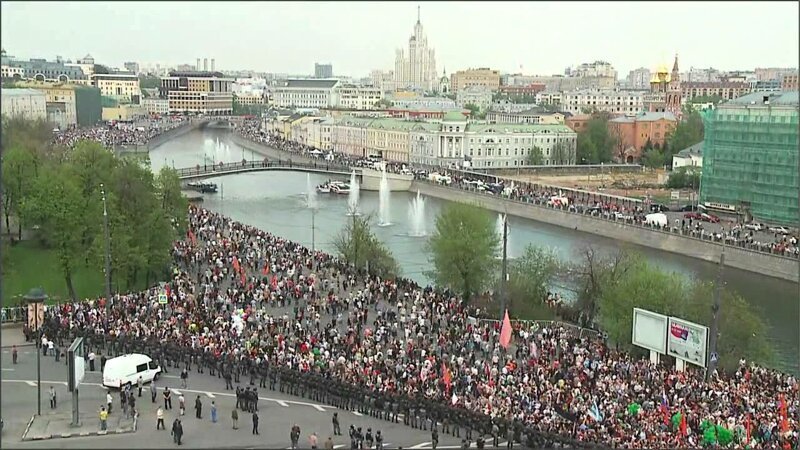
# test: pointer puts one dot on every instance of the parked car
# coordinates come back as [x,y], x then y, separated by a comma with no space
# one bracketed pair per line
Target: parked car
[755,226]
[688,208]
[693,216]
[779,230]
[658,208]
[709,218]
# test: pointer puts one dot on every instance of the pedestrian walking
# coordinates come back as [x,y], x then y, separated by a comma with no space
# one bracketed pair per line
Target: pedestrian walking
[294,435]
[135,418]
[255,422]
[52,397]
[123,401]
[131,404]
[140,384]
[153,391]
[213,412]
[510,437]
[378,440]
[181,404]
[109,401]
[312,441]
[91,361]
[103,419]
[337,431]
[185,378]
[198,408]
[160,418]
[235,418]
[14,354]
[434,437]
[167,398]
[329,443]
[177,431]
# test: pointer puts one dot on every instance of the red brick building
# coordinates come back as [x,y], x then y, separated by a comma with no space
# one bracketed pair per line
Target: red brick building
[632,133]
[530,89]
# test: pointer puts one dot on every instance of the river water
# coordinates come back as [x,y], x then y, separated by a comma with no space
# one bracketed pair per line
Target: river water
[274,201]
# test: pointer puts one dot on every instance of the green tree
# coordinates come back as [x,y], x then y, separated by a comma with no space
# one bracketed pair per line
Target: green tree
[595,143]
[358,245]
[19,170]
[474,110]
[687,132]
[536,157]
[594,273]
[54,205]
[561,154]
[715,99]
[383,103]
[529,279]
[149,82]
[463,248]
[170,198]
[682,178]
[653,158]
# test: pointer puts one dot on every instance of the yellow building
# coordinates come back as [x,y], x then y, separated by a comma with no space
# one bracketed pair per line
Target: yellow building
[119,86]
[125,113]
[484,77]
[198,92]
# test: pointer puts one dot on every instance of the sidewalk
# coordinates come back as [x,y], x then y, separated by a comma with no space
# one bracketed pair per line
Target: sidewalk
[58,425]
[12,335]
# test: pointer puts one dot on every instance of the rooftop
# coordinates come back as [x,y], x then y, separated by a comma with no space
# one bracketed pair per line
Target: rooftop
[518,128]
[196,74]
[781,98]
[20,92]
[696,149]
[454,116]
[310,84]
[646,117]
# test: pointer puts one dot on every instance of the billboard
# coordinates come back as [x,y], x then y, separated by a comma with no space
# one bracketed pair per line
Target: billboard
[687,341]
[35,315]
[649,330]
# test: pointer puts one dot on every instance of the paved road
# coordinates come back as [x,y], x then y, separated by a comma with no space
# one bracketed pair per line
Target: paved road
[278,412]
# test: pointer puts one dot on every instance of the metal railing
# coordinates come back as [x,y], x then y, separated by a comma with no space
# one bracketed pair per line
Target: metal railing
[536,325]
[223,168]
[13,314]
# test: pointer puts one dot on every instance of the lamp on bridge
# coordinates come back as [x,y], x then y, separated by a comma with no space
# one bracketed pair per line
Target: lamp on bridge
[35,299]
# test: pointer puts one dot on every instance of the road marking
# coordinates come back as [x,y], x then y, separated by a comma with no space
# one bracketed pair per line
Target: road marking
[318,408]
[210,395]
[503,444]
[8,370]
[31,383]
[338,446]
[169,376]
[355,413]
[176,392]
[424,444]
[283,403]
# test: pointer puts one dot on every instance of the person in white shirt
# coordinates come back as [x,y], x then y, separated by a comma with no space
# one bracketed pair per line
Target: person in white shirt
[51,348]
[92,356]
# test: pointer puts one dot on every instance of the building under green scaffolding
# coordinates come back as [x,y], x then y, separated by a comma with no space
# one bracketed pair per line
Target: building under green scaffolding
[750,156]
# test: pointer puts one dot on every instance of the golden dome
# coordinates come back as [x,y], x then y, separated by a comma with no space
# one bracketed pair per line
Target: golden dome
[662,69]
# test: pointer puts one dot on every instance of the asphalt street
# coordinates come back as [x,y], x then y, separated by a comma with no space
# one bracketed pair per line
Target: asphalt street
[277,413]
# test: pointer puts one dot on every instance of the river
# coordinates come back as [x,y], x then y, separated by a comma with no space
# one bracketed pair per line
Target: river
[274,201]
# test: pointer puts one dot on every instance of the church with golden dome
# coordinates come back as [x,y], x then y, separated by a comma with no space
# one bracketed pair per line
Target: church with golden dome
[665,91]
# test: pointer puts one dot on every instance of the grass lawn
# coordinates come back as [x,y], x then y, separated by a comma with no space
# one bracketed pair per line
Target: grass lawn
[30,265]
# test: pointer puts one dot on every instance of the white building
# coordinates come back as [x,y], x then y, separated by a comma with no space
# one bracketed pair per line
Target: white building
[594,69]
[307,93]
[28,104]
[383,80]
[358,97]
[533,116]
[155,105]
[475,95]
[424,103]
[629,103]
[689,157]
[417,69]
[639,78]
[7,71]
[549,98]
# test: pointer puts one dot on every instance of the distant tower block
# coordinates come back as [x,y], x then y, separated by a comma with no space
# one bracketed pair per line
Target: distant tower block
[205,64]
[212,64]
[197,66]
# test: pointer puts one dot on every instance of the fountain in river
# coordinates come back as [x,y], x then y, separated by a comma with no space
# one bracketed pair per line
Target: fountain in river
[498,227]
[352,199]
[311,193]
[384,194]
[416,216]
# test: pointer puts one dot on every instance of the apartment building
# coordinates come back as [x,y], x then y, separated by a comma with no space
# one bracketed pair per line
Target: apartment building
[621,102]
[483,77]
[198,92]
[122,87]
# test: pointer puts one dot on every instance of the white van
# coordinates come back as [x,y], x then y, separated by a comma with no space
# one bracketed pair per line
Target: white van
[126,369]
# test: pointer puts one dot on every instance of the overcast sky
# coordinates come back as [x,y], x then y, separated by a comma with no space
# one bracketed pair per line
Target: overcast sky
[542,37]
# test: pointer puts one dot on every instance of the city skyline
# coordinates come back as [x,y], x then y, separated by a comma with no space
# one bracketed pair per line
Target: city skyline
[358,37]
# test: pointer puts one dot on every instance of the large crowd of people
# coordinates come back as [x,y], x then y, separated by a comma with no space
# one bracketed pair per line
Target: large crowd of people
[110,135]
[630,211]
[242,301]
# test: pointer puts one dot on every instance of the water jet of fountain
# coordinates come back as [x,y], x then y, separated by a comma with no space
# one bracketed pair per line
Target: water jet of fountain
[352,199]
[416,216]
[384,194]
[311,193]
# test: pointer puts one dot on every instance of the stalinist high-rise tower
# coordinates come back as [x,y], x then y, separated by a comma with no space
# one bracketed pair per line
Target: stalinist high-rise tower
[417,70]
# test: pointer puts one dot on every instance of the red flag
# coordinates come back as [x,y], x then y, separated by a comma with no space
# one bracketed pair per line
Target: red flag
[446,376]
[683,425]
[784,414]
[274,282]
[244,279]
[192,238]
[236,264]
[265,271]
[167,291]
[747,426]
[505,331]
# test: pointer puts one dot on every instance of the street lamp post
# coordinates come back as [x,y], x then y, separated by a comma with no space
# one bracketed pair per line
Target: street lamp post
[108,250]
[37,297]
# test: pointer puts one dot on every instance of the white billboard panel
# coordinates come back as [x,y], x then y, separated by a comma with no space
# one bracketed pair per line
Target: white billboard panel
[649,330]
[687,341]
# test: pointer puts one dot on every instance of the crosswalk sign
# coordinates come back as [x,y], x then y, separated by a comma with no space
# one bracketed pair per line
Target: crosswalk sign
[162,298]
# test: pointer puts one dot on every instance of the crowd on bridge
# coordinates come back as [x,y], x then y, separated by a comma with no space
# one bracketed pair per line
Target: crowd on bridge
[118,134]
[629,211]
[245,303]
